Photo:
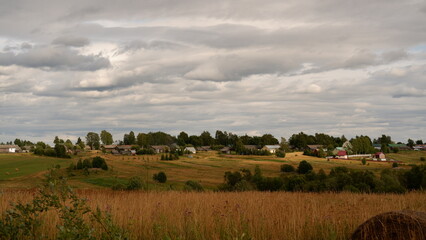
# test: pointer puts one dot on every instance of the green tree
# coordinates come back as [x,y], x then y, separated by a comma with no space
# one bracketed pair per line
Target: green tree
[80,143]
[304,167]
[144,140]
[61,151]
[221,138]
[106,137]
[410,143]
[57,140]
[287,168]
[98,162]
[362,144]
[129,139]
[87,163]
[160,177]
[193,186]
[268,139]
[69,144]
[206,138]
[92,139]
[182,139]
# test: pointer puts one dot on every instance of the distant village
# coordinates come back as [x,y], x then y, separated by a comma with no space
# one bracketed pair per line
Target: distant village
[319,145]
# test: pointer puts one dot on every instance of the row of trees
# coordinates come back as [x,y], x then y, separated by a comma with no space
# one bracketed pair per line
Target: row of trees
[360,144]
[304,178]
[94,140]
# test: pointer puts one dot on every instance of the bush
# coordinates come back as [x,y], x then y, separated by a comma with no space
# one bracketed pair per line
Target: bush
[422,159]
[79,165]
[280,154]
[363,161]
[304,167]
[135,183]
[394,165]
[39,151]
[193,186]
[160,177]
[99,162]
[287,168]
[104,166]
[50,152]
[87,163]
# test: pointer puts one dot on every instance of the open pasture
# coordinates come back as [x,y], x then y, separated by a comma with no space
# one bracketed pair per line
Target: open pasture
[26,170]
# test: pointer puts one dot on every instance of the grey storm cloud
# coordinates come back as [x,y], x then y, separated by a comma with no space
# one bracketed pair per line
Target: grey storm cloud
[247,67]
[54,58]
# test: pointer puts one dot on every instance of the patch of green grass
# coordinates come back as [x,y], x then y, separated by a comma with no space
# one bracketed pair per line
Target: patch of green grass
[409,157]
[201,164]
[105,181]
[17,165]
[173,164]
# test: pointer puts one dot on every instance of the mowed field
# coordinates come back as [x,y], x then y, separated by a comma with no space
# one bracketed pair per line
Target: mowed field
[208,168]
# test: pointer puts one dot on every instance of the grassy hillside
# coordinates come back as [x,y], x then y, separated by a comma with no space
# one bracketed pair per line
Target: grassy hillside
[25,170]
[14,166]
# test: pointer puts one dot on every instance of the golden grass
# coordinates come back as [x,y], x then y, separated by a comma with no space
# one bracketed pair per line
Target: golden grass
[246,215]
[208,168]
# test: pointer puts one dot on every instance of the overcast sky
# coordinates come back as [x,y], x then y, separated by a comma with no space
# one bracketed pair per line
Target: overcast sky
[255,67]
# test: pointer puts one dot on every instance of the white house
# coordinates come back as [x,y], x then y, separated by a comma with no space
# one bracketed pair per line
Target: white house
[271,148]
[191,150]
[9,148]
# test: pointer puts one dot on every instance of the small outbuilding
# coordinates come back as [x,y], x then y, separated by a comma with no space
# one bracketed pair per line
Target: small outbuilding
[225,150]
[191,150]
[271,148]
[9,149]
[380,156]
[342,154]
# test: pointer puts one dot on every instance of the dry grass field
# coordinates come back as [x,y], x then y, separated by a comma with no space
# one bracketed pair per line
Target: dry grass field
[245,215]
[26,170]
[159,214]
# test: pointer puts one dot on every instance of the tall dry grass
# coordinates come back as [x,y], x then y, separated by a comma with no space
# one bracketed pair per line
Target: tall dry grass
[246,215]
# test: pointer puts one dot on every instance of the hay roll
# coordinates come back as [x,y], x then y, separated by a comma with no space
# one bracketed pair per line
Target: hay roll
[399,225]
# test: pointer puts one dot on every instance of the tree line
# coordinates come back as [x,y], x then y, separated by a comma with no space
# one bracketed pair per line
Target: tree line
[299,141]
[305,179]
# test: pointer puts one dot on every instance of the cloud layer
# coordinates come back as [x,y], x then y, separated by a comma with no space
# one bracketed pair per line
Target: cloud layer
[69,67]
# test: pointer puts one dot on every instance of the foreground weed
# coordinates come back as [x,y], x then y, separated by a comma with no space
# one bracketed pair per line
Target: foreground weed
[77,220]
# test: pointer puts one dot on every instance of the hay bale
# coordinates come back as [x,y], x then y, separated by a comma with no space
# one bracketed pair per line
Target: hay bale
[399,225]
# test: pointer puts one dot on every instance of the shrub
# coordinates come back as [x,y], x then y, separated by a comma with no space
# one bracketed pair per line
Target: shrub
[135,183]
[87,163]
[243,185]
[160,177]
[363,161]
[79,165]
[304,167]
[50,152]
[422,159]
[394,165]
[193,186]
[39,151]
[99,162]
[287,168]
[104,166]
[280,154]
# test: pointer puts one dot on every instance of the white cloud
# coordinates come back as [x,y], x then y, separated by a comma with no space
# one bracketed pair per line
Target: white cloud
[322,66]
